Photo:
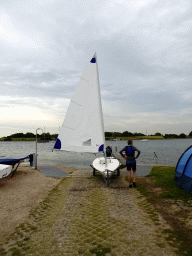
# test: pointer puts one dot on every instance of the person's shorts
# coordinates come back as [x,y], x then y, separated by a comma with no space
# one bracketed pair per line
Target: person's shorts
[131,164]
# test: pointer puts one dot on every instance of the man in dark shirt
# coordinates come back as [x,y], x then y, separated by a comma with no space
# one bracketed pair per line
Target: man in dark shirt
[130,160]
[108,151]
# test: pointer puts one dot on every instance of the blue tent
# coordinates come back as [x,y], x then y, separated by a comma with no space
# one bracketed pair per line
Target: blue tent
[183,175]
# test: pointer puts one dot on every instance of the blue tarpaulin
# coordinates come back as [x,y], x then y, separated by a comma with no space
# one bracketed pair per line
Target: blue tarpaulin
[12,161]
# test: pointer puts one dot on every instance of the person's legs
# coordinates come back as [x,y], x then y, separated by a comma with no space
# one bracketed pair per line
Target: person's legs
[129,177]
[129,172]
[134,178]
[134,173]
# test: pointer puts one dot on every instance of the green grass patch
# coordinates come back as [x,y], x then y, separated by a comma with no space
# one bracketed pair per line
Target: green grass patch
[25,248]
[26,239]
[180,241]
[19,243]
[163,176]
[99,250]
[2,252]
[163,194]
[15,251]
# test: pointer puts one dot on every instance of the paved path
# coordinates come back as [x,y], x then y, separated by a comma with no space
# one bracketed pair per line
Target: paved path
[85,217]
[53,171]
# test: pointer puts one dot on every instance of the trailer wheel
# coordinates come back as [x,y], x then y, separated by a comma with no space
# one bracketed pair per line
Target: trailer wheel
[93,172]
[118,172]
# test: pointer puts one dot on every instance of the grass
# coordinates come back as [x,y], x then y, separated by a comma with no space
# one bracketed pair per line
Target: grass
[165,195]
[163,177]
[100,250]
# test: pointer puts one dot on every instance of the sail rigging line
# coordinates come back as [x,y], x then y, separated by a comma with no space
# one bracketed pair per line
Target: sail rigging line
[67,127]
[76,103]
[84,79]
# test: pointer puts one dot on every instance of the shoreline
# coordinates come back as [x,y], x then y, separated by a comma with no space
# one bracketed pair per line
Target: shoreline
[107,139]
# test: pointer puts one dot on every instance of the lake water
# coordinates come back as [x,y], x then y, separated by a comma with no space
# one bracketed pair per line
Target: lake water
[167,151]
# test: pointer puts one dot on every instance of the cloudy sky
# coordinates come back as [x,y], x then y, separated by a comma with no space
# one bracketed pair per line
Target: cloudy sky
[144,55]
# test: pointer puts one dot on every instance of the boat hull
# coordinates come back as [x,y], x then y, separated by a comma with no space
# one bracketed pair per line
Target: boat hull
[112,165]
[5,170]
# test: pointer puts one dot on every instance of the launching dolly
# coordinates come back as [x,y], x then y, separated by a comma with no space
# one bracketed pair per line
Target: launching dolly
[112,168]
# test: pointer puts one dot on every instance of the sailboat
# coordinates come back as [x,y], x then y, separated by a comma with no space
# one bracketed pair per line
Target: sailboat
[83,127]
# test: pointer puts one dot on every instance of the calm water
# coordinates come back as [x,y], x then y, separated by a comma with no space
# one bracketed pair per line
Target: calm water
[167,151]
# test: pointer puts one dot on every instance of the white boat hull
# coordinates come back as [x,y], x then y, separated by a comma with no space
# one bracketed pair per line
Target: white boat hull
[112,165]
[5,170]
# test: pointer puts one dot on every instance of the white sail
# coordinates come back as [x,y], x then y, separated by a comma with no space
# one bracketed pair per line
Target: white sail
[83,129]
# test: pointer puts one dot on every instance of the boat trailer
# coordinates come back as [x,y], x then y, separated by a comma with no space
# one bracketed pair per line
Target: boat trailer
[109,175]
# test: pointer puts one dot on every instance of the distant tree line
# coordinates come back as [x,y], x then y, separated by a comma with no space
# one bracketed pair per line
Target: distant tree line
[48,136]
[29,135]
[182,135]
[123,134]
[129,134]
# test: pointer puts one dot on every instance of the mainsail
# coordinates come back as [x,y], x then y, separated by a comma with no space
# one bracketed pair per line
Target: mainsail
[83,129]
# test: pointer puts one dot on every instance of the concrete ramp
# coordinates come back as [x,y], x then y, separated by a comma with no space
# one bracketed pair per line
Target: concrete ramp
[52,171]
[142,169]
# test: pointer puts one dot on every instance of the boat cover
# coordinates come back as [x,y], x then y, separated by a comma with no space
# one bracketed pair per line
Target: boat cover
[12,161]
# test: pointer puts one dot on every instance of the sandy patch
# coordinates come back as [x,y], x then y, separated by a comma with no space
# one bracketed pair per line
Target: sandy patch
[19,195]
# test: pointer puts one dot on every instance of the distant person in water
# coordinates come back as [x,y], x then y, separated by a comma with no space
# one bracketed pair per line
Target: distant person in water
[130,160]
[108,151]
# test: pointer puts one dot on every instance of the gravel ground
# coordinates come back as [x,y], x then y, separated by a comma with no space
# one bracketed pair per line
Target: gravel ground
[82,216]
[19,195]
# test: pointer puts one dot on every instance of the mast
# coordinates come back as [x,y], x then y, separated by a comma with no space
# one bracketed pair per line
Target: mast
[101,112]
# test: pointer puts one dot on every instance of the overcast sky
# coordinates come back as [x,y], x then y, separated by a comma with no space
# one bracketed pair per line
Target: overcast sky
[144,50]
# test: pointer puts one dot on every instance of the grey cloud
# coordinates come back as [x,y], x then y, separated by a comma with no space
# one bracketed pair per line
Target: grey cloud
[145,65]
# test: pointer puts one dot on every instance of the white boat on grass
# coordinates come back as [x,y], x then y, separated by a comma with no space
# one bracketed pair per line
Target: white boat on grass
[83,128]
